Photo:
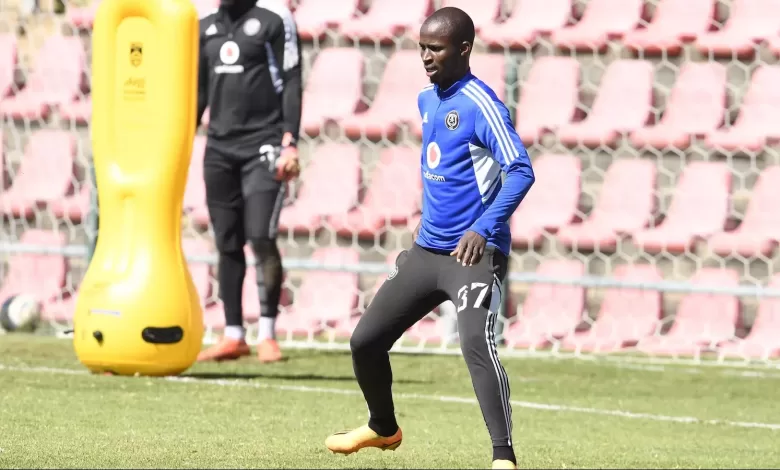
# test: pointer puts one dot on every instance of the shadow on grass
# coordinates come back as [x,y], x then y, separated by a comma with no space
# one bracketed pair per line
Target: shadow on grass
[299,377]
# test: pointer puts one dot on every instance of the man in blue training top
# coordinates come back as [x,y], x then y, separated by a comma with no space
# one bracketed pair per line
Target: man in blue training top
[461,245]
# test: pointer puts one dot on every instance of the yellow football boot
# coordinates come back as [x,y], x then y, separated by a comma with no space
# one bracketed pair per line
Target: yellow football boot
[348,442]
[504,464]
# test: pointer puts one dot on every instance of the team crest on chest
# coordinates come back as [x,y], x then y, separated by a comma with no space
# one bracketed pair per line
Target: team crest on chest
[433,155]
[452,120]
[252,26]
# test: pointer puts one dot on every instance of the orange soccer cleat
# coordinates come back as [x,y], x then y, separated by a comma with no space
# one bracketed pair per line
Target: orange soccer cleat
[352,441]
[268,351]
[226,349]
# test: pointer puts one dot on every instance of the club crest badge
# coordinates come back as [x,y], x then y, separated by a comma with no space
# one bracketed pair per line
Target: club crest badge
[136,54]
[252,26]
[452,120]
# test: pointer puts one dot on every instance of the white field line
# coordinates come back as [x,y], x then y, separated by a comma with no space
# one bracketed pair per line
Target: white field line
[422,397]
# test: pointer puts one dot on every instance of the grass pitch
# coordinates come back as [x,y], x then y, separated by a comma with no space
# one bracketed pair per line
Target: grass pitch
[567,414]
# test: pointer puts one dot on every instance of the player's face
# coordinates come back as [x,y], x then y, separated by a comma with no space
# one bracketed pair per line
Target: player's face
[440,55]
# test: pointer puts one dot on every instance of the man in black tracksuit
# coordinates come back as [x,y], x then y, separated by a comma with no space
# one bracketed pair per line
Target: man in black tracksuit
[250,79]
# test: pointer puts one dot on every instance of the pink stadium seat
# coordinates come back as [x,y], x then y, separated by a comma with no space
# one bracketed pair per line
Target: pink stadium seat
[83,17]
[200,272]
[696,107]
[391,198]
[39,275]
[759,232]
[759,114]
[699,209]
[8,63]
[550,311]
[763,341]
[325,297]
[386,19]
[603,20]
[551,203]
[395,102]
[626,315]
[548,98]
[79,111]
[483,12]
[674,23]
[702,320]
[74,207]
[206,7]
[623,104]
[329,185]
[314,17]
[195,191]
[334,88]
[749,22]
[58,77]
[625,205]
[44,176]
[528,20]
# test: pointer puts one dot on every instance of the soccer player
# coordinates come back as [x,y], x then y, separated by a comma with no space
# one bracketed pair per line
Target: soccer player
[461,245]
[250,78]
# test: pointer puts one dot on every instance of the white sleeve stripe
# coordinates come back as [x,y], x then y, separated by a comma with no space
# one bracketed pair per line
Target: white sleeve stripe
[491,119]
[500,128]
[290,59]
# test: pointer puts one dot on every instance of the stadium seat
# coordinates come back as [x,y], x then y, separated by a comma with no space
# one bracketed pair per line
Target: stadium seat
[39,275]
[626,314]
[602,21]
[625,205]
[528,20]
[201,273]
[395,102]
[391,198]
[78,111]
[756,124]
[314,17]
[330,185]
[698,209]
[696,107]
[749,22]
[551,203]
[8,64]
[674,22]
[484,13]
[58,77]
[206,7]
[195,191]
[324,298]
[702,321]
[385,20]
[550,311]
[75,207]
[83,17]
[45,175]
[334,88]
[759,232]
[623,104]
[763,340]
[548,97]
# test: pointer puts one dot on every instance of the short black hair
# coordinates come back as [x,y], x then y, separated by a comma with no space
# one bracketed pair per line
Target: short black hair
[459,25]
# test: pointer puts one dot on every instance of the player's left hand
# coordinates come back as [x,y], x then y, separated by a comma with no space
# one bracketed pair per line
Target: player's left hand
[470,248]
[289,166]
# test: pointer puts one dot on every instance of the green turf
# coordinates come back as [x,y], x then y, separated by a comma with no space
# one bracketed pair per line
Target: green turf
[245,414]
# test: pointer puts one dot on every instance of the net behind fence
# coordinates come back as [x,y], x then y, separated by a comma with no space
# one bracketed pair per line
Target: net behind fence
[651,232]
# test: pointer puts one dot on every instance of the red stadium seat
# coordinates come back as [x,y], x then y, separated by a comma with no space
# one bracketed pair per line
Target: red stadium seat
[528,20]
[623,104]
[39,275]
[386,19]
[79,111]
[696,107]
[195,191]
[550,311]
[391,198]
[548,98]
[759,232]
[8,64]
[699,209]
[763,341]
[674,23]
[759,114]
[58,77]
[625,205]
[324,298]
[334,171]
[45,175]
[314,17]
[626,315]
[334,88]
[749,22]
[552,201]
[702,320]
[395,102]
[603,20]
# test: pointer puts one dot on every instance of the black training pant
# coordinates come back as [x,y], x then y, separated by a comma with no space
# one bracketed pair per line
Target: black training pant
[423,280]
[244,202]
